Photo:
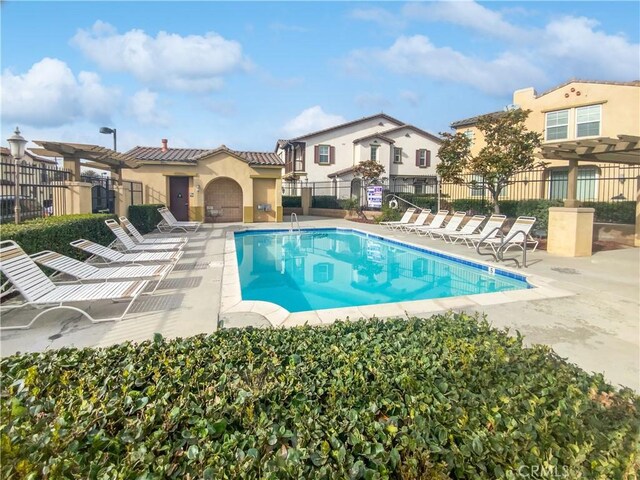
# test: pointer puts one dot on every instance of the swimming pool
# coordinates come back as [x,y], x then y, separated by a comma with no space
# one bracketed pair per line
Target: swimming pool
[336,268]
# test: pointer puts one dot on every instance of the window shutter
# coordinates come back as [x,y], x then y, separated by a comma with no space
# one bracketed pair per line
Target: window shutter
[316,154]
[428,158]
[332,155]
[417,158]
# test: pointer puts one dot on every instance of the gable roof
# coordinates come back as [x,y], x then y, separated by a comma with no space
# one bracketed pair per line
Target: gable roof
[375,135]
[348,124]
[468,122]
[192,155]
[635,83]
[415,129]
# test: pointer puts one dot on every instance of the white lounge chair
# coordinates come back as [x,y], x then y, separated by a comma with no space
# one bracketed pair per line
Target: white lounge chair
[139,238]
[113,256]
[403,221]
[494,223]
[452,225]
[468,228]
[523,225]
[169,223]
[86,273]
[128,245]
[38,290]
[436,222]
[419,222]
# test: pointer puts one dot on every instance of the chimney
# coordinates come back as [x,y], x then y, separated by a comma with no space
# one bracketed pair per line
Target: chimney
[164,145]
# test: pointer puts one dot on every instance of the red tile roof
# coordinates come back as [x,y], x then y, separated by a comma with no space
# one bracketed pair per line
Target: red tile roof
[260,158]
[192,155]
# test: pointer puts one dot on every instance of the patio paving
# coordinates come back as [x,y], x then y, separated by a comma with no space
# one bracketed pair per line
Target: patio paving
[597,327]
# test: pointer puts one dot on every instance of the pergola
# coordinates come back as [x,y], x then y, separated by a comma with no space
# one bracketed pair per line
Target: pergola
[622,150]
[97,156]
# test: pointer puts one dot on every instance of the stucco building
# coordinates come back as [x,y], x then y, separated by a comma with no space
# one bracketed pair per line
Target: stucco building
[211,185]
[589,112]
[408,153]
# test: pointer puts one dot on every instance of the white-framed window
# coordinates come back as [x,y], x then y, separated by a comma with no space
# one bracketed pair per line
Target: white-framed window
[323,154]
[470,135]
[397,155]
[588,121]
[557,125]
[374,152]
[423,158]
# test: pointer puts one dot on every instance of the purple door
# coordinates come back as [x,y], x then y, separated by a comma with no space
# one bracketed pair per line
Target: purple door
[179,197]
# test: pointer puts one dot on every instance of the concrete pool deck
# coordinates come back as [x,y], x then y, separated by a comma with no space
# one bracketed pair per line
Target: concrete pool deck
[592,318]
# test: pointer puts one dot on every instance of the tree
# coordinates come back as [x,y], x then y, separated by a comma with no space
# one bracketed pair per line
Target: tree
[508,151]
[369,170]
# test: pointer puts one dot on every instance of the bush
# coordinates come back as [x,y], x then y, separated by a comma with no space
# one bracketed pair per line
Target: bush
[325,201]
[530,208]
[388,215]
[472,206]
[438,398]
[291,201]
[618,212]
[145,217]
[423,200]
[55,233]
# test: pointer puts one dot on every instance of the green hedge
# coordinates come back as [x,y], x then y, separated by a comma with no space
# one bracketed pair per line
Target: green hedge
[291,201]
[422,200]
[145,217]
[530,208]
[446,397]
[55,233]
[325,201]
[614,212]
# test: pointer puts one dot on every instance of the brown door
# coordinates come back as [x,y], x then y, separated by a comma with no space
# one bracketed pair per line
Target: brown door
[179,197]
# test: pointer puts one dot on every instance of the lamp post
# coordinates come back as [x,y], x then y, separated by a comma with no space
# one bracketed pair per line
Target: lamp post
[17,145]
[109,131]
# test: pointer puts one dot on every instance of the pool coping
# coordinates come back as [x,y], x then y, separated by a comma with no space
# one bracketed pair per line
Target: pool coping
[231,296]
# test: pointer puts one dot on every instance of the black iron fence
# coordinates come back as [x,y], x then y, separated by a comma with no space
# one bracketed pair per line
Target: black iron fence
[41,191]
[607,184]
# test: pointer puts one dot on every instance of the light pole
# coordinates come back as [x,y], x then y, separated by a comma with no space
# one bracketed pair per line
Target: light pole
[109,131]
[17,145]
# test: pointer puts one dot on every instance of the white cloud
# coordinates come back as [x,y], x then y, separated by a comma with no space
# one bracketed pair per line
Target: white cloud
[578,49]
[143,107]
[310,120]
[417,55]
[466,14]
[411,97]
[49,94]
[380,16]
[196,63]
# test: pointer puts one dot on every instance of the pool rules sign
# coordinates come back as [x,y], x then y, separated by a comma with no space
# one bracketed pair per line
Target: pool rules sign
[374,196]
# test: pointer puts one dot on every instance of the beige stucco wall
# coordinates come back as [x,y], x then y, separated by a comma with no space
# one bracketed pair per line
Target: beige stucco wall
[155,180]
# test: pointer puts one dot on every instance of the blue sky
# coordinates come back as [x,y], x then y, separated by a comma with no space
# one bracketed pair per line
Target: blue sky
[245,74]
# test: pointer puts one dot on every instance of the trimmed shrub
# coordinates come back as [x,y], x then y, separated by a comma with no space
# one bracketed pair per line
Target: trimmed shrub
[145,217]
[530,208]
[55,233]
[424,200]
[291,201]
[325,201]
[446,397]
[615,212]
[473,206]
[389,214]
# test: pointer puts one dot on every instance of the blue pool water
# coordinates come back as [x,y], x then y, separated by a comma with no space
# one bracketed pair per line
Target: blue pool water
[335,268]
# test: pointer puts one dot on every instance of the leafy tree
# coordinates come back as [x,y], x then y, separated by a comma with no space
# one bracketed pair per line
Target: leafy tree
[369,171]
[508,151]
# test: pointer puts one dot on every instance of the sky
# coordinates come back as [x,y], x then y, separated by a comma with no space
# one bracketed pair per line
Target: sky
[245,74]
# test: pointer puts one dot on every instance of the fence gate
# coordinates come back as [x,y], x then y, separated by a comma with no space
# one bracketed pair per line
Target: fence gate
[102,194]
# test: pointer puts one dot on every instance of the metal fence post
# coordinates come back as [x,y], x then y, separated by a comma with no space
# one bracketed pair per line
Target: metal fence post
[16,195]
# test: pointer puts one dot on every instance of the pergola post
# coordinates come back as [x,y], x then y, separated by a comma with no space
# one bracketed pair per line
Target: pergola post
[572,185]
[72,164]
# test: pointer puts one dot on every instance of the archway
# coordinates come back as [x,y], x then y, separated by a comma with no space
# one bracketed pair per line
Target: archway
[356,188]
[223,201]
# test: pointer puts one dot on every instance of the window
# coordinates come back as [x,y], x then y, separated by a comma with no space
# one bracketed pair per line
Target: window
[557,125]
[374,152]
[588,121]
[470,135]
[423,158]
[477,186]
[559,183]
[397,155]
[323,154]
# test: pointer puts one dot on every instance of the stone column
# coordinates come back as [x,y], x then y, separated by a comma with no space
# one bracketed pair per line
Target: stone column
[122,199]
[306,199]
[572,185]
[570,232]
